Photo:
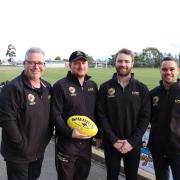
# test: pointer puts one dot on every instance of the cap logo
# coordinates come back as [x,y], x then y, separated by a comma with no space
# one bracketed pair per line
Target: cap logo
[79,53]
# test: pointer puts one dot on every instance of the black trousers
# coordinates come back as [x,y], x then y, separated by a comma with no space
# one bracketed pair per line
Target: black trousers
[163,162]
[24,171]
[73,159]
[71,167]
[113,159]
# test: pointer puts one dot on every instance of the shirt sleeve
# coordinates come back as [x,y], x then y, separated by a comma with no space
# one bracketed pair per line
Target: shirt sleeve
[103,118]
[143,119]
[57,105]
[9,113]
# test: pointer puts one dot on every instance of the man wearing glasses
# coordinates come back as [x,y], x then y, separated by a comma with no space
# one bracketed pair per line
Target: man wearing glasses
[24,118]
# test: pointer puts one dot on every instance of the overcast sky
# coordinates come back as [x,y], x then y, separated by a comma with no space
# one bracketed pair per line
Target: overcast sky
[98,27]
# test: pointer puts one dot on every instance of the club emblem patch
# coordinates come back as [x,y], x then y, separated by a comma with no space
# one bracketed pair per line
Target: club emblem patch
[72,91]
[111,92]
[31,99]
[155,100]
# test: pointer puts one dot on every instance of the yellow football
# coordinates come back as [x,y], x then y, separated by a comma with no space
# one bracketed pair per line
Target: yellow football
[85,124]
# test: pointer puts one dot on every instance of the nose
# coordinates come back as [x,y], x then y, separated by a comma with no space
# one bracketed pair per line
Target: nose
[168,71]
[122,63]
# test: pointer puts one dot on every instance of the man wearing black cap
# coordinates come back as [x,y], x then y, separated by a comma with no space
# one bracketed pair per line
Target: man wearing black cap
[73,95]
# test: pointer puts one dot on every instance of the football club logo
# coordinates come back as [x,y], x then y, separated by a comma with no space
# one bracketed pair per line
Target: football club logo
[31,99]
[72,91]
[155,100]
[111,92]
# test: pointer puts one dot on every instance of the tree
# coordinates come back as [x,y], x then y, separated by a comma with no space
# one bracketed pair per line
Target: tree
[111,60]
[58,58]
[11,53]
[139,60]
[152,56]
[90,59]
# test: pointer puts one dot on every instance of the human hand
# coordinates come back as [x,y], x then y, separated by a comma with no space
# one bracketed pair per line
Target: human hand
[126,146]
[117,145]
[77,135]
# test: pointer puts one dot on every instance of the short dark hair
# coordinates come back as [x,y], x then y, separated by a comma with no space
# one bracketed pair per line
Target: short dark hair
[168,58]
[125,51]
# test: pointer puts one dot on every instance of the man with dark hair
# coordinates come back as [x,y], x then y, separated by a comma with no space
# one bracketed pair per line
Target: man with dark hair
[123,113]
[164,140]
[24,118]
[75,94]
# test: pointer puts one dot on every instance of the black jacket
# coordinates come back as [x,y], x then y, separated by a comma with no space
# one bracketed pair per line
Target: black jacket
[24,118]
[70,98]
[123,113]
[165,120]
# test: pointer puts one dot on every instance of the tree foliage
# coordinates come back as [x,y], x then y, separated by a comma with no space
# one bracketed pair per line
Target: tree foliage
[111,60]
[58,58]
[11,53]
[90,59]
[152,56]
[149,57]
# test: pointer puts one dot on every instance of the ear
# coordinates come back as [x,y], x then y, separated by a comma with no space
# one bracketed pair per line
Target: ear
[178,69]
[132,63]
[70,65]
[24,62]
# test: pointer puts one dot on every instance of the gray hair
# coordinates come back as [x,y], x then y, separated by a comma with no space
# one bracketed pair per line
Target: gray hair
[33,50]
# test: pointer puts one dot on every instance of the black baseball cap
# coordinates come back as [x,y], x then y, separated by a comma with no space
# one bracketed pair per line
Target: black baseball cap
[76,55]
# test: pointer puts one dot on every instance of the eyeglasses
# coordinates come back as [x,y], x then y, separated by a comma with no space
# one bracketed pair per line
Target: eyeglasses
[32,63]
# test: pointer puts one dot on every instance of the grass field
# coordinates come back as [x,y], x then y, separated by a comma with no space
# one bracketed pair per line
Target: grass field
[149,76]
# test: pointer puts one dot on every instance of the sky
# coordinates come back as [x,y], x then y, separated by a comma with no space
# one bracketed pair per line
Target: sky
[98,27]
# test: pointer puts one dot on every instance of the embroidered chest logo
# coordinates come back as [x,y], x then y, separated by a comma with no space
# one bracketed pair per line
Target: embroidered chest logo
[31,99]
[177,101]
[155,100]
[111,92]
[91,89]
[135,93]
[72,91]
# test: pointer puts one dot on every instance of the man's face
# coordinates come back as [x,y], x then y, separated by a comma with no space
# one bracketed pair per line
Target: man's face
[34,66]
[79,68]
[169,71]
[123,64]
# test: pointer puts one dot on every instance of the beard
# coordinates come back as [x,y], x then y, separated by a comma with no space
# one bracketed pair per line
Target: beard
[123,73]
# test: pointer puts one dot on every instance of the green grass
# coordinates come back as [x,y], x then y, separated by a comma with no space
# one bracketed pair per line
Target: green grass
[149,76]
